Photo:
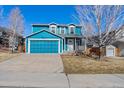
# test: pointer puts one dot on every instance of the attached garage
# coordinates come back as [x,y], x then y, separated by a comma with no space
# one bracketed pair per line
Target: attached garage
[44,42]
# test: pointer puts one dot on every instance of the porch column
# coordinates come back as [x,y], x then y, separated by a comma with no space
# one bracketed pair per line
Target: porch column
[64,44]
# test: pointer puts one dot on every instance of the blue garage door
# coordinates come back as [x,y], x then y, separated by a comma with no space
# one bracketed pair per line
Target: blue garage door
[44,46]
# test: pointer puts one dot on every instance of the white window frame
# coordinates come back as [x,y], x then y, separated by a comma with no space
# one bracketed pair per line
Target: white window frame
[51,28]
[29,40]
[70,29]
[61,30]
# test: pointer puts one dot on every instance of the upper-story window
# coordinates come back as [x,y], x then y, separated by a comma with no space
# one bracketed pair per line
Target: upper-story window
[72,29]
[53,28]
[62,30]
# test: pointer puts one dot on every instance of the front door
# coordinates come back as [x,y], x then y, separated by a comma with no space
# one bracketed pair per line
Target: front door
[70,44]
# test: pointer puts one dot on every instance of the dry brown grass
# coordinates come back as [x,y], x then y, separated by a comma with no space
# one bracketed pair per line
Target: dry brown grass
[86,65]
[6,55]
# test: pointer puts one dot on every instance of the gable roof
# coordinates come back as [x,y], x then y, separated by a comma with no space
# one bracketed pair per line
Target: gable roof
[66,25]
[43,31]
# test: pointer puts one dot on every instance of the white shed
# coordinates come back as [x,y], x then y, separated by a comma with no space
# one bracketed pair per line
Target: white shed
[110,50]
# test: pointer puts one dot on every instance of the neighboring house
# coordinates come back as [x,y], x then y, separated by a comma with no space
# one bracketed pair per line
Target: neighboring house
[54,38]
[119,42]
[114,44]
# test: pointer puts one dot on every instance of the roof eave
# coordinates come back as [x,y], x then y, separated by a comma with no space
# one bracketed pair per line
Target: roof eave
[42,31]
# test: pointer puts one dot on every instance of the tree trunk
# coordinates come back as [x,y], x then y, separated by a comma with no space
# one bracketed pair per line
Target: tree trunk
[85,46]
[99,52]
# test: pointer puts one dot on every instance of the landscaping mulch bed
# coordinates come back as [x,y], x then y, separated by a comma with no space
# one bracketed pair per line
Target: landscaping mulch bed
[87,65]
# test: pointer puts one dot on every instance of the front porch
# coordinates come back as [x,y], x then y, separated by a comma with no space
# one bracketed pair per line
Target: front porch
[73,44]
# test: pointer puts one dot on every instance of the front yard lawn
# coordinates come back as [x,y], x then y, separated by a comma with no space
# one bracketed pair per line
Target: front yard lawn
[86,65]
[6,55]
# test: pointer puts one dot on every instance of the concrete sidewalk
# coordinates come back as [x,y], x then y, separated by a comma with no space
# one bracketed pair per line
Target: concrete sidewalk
[59,80]
[96,80]
[33,80]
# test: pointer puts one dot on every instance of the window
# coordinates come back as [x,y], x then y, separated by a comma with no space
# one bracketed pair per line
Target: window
[72,30]
[53,28]
[62,30]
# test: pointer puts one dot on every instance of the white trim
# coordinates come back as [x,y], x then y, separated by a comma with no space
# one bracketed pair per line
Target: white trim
[62,46]
[50,27]
[29,39]
[41,39]
[28,46]
[70,30]
[45,31]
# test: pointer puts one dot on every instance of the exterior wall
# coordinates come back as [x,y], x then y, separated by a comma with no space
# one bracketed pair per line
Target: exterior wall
[40,28]
[44,35]
[78,30]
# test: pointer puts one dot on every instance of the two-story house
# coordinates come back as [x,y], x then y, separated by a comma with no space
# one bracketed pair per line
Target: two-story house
[54,38]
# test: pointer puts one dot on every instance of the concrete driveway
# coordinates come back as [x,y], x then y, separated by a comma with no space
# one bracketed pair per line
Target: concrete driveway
[33,70]
[33,63]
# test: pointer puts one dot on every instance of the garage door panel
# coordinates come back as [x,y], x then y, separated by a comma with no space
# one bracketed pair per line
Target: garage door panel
[44,46]
[110,52]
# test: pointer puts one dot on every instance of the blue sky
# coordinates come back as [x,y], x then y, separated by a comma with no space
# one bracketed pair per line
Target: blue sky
[44,14]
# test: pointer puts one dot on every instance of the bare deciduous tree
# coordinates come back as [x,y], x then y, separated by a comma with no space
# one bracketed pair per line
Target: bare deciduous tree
[16,24]
[100,22]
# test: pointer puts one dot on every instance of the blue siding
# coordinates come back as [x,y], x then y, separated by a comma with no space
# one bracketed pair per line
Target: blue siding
[78,31]
[44,34]
[40,28]
[67,30]
[44,46]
